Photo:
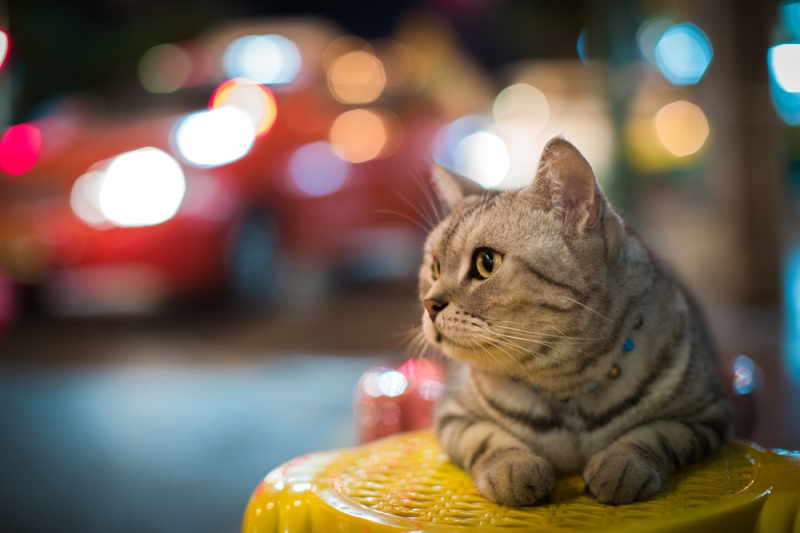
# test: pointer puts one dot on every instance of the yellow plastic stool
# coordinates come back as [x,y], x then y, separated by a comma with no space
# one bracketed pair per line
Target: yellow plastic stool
[406,483]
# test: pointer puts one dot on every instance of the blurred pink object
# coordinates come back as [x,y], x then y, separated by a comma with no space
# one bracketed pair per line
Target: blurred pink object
[8,302]
[390,400]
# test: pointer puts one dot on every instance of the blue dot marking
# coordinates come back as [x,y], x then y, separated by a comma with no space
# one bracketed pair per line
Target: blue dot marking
[593,389]
[628,346]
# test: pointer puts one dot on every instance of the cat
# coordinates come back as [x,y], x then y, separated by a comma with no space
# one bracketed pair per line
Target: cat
[573,349]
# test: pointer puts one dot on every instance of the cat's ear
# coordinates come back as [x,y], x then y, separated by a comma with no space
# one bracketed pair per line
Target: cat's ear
[451,187]
[565,185]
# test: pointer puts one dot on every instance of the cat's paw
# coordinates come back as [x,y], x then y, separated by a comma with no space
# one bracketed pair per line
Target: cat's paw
[617,477]
[515,479]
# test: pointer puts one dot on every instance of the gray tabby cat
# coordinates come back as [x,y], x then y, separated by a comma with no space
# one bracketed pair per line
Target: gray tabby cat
[575,351]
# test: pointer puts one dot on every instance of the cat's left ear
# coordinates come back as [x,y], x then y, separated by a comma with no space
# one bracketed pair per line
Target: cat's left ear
[565,185]
[452,188]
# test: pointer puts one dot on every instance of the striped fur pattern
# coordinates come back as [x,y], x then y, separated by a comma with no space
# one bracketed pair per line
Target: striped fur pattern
[544,381]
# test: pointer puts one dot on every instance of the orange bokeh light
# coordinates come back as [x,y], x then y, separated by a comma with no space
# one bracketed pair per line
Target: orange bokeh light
[254,99]
[356,77]
[364,134]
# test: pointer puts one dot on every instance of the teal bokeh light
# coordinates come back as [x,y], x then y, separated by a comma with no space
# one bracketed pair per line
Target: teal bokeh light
[683,54]
[783,80]
[790,13]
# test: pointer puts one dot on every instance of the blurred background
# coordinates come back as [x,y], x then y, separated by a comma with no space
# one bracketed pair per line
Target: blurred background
[211,217]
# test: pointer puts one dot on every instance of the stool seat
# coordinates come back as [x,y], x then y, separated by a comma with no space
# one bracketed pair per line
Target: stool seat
[406,483]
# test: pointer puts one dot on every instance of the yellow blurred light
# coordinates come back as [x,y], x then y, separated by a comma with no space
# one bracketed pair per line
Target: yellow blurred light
[359,135]
[164,68]
[255,100]
[521,111]
[681,127]
[356,78]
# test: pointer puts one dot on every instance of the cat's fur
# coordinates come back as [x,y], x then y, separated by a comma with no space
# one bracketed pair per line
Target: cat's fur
[531,342]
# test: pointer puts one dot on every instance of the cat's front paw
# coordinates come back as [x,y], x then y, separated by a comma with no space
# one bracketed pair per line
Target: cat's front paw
[616,477]
[515,478]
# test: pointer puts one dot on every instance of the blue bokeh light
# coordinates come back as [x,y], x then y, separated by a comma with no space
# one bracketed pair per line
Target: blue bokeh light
[683,54]
[582,46]
[790,12]
[787,103]
[267,59]
[448,138]
[744,379]
[316,170]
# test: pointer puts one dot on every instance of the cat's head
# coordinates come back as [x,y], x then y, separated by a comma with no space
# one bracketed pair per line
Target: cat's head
[509,278]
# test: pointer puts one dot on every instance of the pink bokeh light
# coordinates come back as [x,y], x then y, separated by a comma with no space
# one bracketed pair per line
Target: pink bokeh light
[19,148]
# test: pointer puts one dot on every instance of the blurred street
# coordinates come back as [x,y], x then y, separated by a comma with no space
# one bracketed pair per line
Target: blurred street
[168,422]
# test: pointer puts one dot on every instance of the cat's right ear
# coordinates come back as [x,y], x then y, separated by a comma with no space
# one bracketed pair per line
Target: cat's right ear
[452,188]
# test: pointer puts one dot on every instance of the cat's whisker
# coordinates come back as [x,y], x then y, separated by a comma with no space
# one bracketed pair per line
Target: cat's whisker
[423,185]
[562,336]
[411,219]
[509,336]
[604,317]
[499,347]
[425,215]
[498,360]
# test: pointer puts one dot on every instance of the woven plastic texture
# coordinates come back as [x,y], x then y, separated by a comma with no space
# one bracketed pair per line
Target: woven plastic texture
[412,478]
[406,483]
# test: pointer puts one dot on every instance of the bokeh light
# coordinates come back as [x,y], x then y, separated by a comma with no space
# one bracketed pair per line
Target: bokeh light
[384,382]
[521,111]
[85,197]
[316,170]
[582,47]
[682,128]
[649,34]
[683,54]
[268,59]
[19,148]
[356,78]
[790,12]
[787,103]
[255,100]
[3,47]
[215,137]
[164,68]
[482,157]
[358,135]
[784,65]
[142,188]
[744,378]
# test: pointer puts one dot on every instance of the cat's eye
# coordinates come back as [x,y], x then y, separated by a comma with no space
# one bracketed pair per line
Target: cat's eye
[487,261]
[436,270]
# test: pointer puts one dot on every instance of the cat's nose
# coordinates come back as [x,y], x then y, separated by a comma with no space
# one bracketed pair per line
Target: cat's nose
[433,307]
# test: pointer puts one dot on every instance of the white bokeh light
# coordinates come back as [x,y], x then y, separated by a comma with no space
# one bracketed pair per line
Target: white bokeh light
[3,46]
[141,188]
[482,157]
[384,382]
[521,111]
[268,59]
[316,170]
[85,197]
[216,137]
[784,62]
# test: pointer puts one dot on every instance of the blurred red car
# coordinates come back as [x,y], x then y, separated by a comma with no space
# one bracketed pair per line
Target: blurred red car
[292,202]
